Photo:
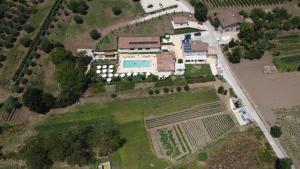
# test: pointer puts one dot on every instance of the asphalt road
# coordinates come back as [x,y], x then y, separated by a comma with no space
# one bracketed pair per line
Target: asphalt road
[232,81]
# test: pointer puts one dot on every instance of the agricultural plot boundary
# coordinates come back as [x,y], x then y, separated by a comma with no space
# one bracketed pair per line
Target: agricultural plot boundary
[177,135]
[240,3]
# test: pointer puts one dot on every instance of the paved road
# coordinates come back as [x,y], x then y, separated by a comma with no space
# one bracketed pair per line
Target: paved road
[230,77]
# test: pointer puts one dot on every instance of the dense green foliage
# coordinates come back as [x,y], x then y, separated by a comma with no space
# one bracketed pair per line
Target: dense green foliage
[25,41]
[78,6]
[201,11]
[59,55]
[36,100]
[78,19]
[202,156]
[95,34]
[284,163]
[77,144]
[117,10]
[276,131]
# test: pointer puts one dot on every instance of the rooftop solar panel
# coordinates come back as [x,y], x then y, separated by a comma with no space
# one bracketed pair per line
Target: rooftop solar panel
[187,46]
[144,42]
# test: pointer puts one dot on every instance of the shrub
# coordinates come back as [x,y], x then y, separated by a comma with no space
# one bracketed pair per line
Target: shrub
[2,58]
[166,90]
[276,131]
[221,90]
[113,95]
[178,89]
[24,81]
[25,41]
[202,156]
[78,19]
[150,92]
[46,45]
[28,28]
[117,10]
[284,163]
[157,91]
[180,61]
[186,88]
[95,34]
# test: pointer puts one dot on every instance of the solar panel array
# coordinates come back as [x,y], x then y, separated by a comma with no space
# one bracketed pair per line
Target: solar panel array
[143,42]
[187,46]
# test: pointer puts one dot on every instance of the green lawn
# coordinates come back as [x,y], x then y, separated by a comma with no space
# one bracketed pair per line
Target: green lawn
[136,153]
[198,71]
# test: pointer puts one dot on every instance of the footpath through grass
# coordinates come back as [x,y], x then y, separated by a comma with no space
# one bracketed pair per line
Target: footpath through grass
[136,153]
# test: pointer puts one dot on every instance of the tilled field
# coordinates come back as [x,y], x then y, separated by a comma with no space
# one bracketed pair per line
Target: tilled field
[176,135]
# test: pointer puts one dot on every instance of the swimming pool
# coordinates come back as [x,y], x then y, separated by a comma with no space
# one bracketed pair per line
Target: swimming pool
[137,63]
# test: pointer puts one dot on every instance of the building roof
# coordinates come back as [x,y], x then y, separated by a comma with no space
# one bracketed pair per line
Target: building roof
[180,20]
[166,61]
[139,42]
[198,46]
[229,18]
[195,57]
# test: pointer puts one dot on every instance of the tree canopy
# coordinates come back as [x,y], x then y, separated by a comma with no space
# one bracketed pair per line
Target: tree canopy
[201,11]
[38,101]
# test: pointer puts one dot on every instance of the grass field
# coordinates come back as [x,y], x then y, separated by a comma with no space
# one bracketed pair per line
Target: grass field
[198,71]
[136,153]
[289,120]
[288,51]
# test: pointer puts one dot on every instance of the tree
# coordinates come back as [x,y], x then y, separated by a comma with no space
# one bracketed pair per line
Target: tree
[28,28]
[117,10]
[156,91]
[232,43]
[95,34]
[178,89]
[186,88]
[276,131]
[166,90]
[235,56]
[221,90]
[78,19]
[36,100]
[201,11]
[78,6]
[25,41]
[244,14]
[46,45]
[59,55]
[284,163]
[150,92]
[295,21]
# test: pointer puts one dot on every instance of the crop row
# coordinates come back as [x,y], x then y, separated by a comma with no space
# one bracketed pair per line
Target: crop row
[34,46]
[202,110]
[243,3]
[218,125]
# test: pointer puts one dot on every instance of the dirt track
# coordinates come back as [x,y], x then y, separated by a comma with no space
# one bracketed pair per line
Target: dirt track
[268,91]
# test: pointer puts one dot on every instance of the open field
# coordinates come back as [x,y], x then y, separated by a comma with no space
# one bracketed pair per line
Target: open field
[129,113]
[268,91]
[176,135]
[99,16]
[198,71]
[288,51]
[289,120]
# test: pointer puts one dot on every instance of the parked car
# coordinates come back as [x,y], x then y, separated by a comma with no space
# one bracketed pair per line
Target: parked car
[197,34]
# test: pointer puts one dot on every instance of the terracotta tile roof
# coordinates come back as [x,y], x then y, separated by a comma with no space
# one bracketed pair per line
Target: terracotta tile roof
[166,61]
[180,20]
[198,46]
[228,18]
[139,42]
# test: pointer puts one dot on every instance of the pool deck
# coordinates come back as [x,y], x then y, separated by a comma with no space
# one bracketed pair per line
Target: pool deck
[152,69]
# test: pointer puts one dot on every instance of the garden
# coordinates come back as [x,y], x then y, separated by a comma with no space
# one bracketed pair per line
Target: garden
[198,73]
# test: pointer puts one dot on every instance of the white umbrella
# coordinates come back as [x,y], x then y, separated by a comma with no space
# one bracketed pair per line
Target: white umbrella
[128,74]
[98,67]
[104,75]
[110,70]
[104,70]
[148,74]
[122,75]
[135,74]
[104,66]
[111,66]
[108,80]
[110,75]
[141,73]
[98,71]
[116,75]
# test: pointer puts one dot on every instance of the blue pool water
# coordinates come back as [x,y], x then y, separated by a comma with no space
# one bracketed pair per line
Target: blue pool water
[136,63]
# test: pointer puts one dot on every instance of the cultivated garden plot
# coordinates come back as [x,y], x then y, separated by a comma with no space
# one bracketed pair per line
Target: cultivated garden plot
[241,3]
[176,135]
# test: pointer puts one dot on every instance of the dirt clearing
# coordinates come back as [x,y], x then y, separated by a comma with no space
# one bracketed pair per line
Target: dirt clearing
[268,91]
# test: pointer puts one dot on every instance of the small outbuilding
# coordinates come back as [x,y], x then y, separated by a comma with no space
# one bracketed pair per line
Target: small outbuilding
[229,20]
